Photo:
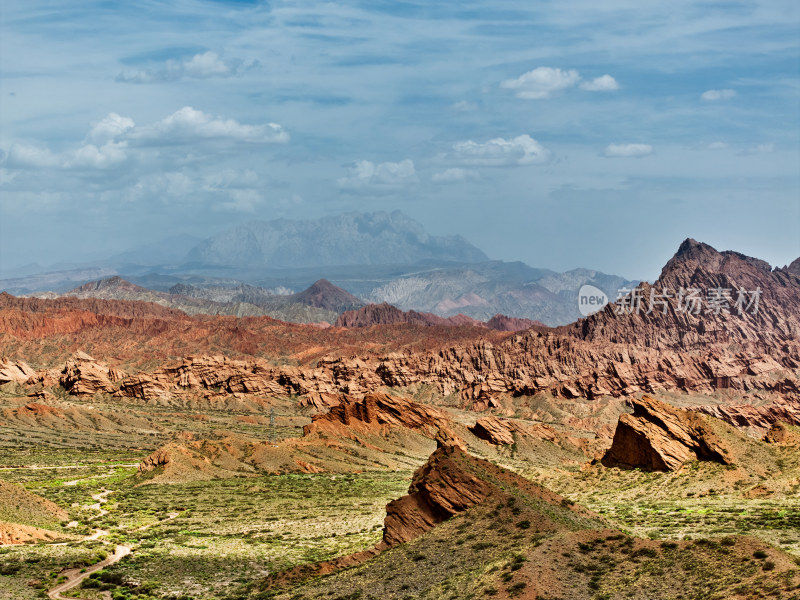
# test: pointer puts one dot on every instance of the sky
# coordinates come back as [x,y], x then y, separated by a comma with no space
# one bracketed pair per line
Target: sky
[569,133]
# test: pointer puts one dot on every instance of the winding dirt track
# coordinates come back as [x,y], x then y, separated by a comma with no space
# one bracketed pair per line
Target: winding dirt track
[75,576]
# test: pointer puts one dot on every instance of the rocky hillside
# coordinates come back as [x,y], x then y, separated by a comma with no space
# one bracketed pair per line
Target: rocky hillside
[468,528]
[482,290]
[703,297]
[310,306]
[386,314]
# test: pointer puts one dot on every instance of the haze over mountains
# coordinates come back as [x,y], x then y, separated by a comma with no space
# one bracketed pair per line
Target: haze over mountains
[373,257]
[352,239]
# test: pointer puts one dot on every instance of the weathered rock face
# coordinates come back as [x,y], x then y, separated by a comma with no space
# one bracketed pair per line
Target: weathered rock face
[604,355]
[495,431]
[14,371]
[699,266]
[81,375]
[321,402]
[441,488]
[659,437]
[759,418]
[378,413]
[386,314]
[504,323]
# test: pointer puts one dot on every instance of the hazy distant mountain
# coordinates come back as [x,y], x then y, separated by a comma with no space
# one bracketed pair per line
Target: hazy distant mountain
[350,239]
[483,290]
[171,250]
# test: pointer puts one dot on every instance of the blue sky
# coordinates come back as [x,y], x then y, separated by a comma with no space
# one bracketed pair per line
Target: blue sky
[564,134]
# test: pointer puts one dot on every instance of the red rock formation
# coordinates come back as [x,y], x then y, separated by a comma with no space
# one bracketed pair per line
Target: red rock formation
[495,431]
[504,323]
[14,371]
[321,402]
[82,375]
[440,489]
[386,314]
[659,437]
[697,265]
[759,418]
[379,413]
[604,355]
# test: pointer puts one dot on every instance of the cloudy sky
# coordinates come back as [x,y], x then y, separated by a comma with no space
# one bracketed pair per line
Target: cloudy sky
[563,133]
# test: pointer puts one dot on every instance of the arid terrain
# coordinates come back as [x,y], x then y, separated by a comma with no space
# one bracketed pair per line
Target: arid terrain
[181,445]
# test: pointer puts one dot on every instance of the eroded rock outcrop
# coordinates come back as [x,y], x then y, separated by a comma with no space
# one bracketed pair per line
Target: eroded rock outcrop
[495,431]
[659,437]
[81,375]
[14,371]
[378,413]
[440,489]
[758,418]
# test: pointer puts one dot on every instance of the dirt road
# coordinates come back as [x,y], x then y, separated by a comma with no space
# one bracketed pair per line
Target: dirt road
[75,576]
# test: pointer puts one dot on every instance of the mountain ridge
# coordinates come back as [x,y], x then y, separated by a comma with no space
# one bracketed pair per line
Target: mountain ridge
[349,239]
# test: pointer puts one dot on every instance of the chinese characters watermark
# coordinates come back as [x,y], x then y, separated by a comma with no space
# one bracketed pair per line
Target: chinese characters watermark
[694,301]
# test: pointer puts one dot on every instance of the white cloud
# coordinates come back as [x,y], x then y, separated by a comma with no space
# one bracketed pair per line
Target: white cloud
[28,156]
[387,175]
[761,149]
[501,152]
[454,175]
[604,83]
[714,95]
[189,124]
[465,106]
[200,66]
[97,157]
[542,82]
[717,146]
[88,156]
[627,150]
[110,128]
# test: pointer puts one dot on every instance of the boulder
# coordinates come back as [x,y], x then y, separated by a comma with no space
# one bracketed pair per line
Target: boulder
[659,437]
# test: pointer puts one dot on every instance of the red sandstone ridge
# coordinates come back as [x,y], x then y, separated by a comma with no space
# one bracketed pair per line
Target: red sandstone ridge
[386,314]
[699,266]
[659,437]
[759,418]
[495,431]
[604,355]
[504,323]
[378,413]
[441,488]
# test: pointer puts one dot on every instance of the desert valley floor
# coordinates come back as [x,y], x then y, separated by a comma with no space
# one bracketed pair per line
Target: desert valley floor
[146,453]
